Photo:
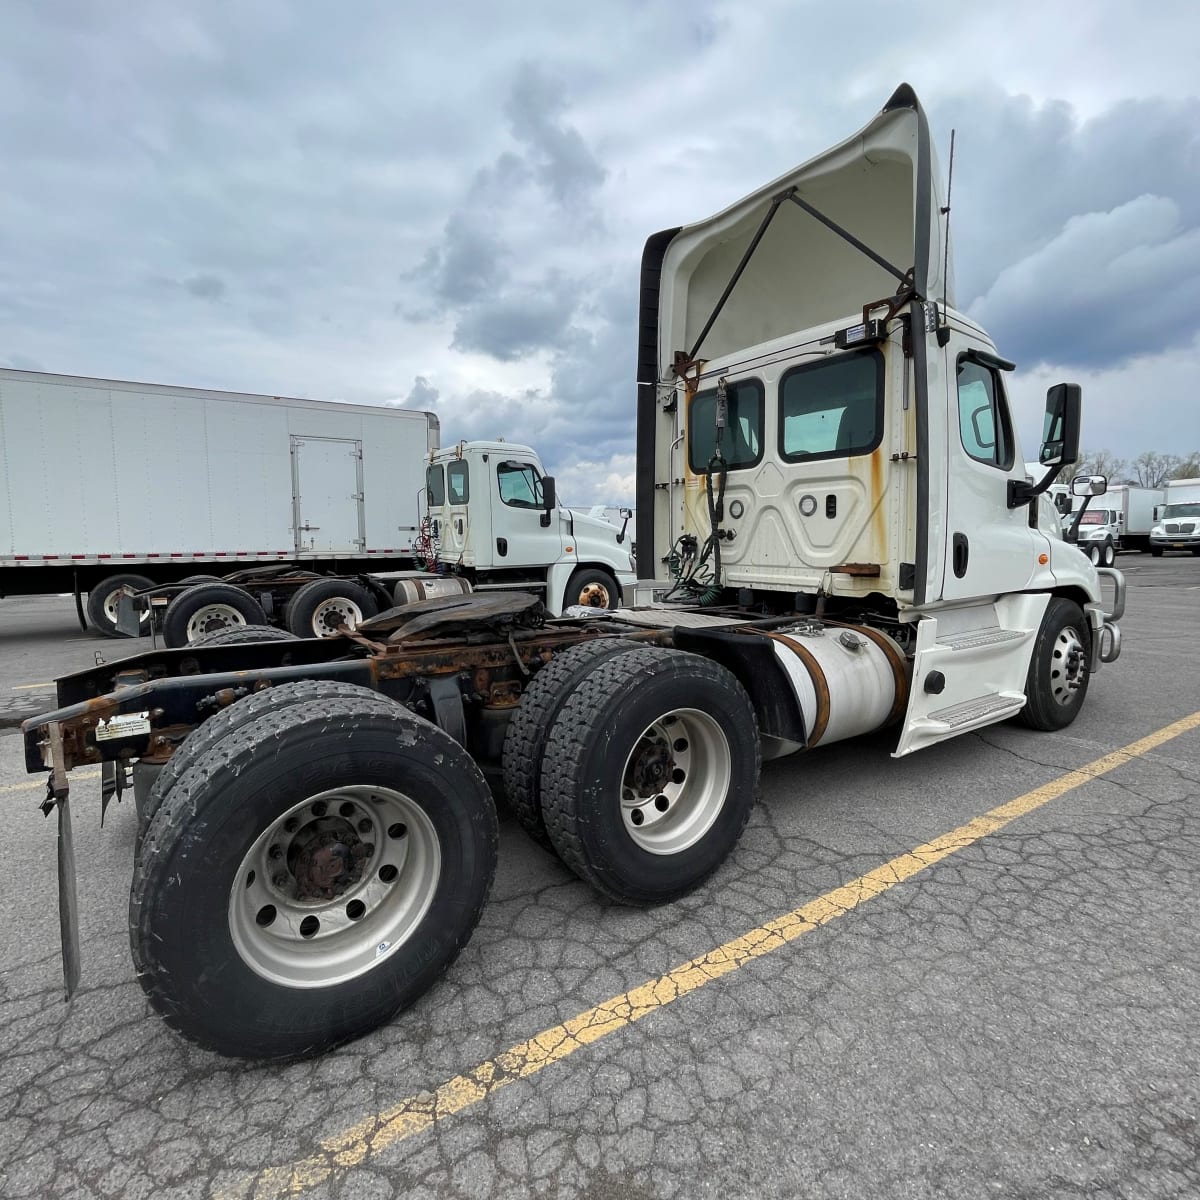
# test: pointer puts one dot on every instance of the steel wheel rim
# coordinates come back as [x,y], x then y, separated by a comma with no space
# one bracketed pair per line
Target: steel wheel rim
[213,618]
[1067,666]
[1094,555]
[110,608]
[286,932]
[594,595]
[675,781]
[337,610]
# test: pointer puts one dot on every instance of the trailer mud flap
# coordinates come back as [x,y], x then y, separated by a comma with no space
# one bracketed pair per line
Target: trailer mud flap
[128,621]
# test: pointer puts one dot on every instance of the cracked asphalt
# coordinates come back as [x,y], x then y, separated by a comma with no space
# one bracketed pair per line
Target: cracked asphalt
[1019,1019]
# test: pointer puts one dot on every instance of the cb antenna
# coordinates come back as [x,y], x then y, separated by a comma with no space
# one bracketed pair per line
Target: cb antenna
[944,332]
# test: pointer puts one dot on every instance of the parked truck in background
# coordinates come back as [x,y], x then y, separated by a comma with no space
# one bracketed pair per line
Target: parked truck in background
[1177,519]
[1122,520]
[496,523]
[112,485]
[835,534]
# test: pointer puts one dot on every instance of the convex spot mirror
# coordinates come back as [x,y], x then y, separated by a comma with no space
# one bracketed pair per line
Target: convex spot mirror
[1089,485]
[1060,432]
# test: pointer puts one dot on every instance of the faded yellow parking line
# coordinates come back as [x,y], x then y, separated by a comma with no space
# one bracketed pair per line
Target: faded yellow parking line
[27,687]
[417,1113]
[41,783]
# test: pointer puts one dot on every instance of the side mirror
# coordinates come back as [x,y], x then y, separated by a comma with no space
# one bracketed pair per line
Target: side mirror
[549,499]
[1089,485]
[1060,433]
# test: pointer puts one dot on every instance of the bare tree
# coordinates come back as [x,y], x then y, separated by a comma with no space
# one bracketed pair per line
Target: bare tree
[1187,468]
[1101,462]
[1152,469]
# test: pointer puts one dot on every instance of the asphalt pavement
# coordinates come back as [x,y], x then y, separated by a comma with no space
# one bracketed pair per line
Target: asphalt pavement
[878,1011]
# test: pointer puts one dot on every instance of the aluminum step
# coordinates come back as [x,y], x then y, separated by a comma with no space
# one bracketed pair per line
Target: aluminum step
[980,637]
[982,710]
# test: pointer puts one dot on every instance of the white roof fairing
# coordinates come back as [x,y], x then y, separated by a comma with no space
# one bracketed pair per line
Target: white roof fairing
[802,273]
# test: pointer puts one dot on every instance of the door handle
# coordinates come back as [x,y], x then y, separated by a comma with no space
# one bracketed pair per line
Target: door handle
[502,546]
[960,554]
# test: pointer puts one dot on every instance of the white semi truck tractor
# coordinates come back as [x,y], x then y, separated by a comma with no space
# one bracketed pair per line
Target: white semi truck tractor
[835,534]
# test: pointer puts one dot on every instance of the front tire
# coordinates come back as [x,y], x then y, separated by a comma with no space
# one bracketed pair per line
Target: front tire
[1110,555]
[1094,553]
[650,773]
[309,877]
[1057,682]
[1156,552]
[320,607]
[209,608]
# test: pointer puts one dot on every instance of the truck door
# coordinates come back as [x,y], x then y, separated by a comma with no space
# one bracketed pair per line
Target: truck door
[327,495]
[520,538]
[989,548]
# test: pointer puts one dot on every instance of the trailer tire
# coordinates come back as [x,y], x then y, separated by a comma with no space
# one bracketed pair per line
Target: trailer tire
[663,733]
[528,731]
[102,603]
[209,608]
[590,587]
[243,941]
[241,634]
[237,716]
[192,580]
[319,607]
[1057,682]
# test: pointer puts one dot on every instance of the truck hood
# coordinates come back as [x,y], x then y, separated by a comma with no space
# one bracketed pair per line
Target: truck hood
[594,530]
[881,185]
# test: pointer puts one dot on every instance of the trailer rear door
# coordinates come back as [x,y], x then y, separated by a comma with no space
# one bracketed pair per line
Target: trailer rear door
[327,495]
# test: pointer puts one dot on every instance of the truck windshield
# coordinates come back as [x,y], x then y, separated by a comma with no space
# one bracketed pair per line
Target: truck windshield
[1170,511]
[1094,516]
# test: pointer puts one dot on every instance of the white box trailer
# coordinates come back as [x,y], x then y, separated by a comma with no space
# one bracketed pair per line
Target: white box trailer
[104,478]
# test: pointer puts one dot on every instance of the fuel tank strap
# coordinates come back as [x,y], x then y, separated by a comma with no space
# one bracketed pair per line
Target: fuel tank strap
[820,684]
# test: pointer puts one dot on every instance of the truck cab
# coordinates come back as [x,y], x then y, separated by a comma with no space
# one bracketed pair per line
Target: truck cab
[495,519]
[825,428]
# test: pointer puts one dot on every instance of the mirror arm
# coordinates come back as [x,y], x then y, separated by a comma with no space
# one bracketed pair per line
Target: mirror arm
[1072,534]
[1020,492]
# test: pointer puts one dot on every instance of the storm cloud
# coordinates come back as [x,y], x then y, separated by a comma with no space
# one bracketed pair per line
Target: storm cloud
[353,204]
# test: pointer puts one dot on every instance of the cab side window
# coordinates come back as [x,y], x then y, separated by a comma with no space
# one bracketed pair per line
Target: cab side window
[984,425]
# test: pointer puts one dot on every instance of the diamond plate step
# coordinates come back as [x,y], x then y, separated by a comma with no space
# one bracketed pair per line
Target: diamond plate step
[981,709]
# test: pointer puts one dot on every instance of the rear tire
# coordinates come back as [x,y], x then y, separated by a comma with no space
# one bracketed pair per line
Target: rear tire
[650,773]
[245,633]
[319,607]
[237,716]
[102,603]
[525,742]
[209,608]
[192,580]
[1058,677]
[243,939]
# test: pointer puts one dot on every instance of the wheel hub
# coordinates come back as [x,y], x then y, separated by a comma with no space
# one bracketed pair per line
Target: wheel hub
[333,885]
[1068,667]
[675,781]
[326,862]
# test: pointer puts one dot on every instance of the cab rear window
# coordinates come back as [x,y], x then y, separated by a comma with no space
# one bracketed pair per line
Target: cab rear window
[741,444]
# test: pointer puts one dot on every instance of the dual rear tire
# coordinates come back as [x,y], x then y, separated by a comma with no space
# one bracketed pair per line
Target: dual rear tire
[309,868]
[638,765]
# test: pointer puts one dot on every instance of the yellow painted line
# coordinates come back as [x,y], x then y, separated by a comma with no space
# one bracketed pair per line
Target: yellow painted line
[28,687]
[418,1113]
[41,783]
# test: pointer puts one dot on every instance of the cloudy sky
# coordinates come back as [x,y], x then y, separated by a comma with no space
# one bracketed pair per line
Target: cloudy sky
[445,205]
